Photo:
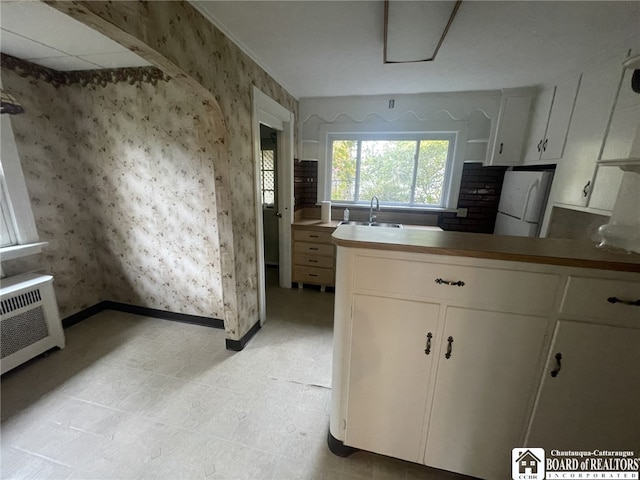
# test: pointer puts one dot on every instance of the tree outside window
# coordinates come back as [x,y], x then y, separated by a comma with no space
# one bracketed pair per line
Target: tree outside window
[404,172]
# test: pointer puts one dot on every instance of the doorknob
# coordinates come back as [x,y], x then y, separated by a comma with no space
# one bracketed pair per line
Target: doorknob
[278,214]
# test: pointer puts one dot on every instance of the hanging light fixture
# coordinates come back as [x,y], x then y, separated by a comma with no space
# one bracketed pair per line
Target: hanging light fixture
[415,30]
[9,105]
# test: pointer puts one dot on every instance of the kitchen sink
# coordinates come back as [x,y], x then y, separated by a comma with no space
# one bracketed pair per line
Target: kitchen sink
[373,224]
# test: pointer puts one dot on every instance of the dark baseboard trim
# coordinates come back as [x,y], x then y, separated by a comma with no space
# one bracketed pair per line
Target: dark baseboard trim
[144,311]
[237,345]
[338,447]
[83,314]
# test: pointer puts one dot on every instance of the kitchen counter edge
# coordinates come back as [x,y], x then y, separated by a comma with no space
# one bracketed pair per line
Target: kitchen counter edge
[550,251]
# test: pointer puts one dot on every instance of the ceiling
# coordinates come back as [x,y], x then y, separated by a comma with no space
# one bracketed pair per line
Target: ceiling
[40,34]
[335,48]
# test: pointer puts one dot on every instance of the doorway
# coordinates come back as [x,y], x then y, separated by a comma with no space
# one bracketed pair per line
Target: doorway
[269,199]
[269,113]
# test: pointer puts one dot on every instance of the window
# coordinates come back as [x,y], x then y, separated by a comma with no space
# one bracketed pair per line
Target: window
[400,169]
[19,233]
[268,170]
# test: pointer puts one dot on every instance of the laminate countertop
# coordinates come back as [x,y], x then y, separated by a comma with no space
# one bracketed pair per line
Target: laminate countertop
[551,251]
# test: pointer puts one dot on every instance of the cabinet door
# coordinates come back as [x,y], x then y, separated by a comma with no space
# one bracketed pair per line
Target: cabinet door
[594,102]
[483,391]
[511,130]
[594,401]
[538,125]
[559,119]
[389,375]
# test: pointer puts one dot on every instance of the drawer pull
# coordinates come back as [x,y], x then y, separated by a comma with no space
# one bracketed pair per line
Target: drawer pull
[459,283]
[449,348]
[313,236]
[556,371]
[624,302]
[311,260]
[313,248]
[427,348]
[313,274]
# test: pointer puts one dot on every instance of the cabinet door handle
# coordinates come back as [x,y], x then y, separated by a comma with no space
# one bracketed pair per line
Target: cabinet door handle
[540,146]
[544,145]
[556,371]
[501,145]
[449,348]
[427,348]
[440,281]
[585,190]
[624,302]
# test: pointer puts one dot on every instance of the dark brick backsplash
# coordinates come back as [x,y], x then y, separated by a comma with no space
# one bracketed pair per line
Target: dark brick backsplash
[480,190]
[305,183]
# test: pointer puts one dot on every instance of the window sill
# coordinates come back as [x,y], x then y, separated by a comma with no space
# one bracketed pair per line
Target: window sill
[17,251]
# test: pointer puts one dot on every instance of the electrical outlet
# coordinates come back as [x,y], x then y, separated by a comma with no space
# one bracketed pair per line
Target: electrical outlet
[462,212]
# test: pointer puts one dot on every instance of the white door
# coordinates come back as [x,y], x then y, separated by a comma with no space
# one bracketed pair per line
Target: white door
[483,391]
[389,374]
[594,399]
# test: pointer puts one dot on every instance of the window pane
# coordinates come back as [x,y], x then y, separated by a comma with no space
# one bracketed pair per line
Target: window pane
[343,169]
[432,161]
[386,170]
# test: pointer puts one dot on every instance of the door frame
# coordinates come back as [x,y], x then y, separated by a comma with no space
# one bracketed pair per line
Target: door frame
[267,111]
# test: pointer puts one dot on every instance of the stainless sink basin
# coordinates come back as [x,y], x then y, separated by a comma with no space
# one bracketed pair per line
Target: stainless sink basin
[374,224]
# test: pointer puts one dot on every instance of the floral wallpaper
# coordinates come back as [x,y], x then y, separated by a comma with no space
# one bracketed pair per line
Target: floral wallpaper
[175,37]
[123,186]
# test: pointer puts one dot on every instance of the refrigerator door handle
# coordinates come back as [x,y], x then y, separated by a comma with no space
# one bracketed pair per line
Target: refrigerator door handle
[534,185]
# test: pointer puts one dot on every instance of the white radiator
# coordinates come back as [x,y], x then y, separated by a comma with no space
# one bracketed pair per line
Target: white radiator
[29,319]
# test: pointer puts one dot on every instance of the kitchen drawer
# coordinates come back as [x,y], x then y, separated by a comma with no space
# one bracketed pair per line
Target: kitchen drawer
[508,290]
[588,298]
[320,276]
[313,261]
[313,249]
[312,236]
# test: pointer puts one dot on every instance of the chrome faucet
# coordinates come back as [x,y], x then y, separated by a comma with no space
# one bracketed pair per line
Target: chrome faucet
[372,217]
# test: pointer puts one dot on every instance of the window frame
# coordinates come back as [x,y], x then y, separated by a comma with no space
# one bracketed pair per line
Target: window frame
[458,129]
[16,198]
[413,137]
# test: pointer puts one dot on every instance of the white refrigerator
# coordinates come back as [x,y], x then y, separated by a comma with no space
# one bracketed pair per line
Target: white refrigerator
[522,203]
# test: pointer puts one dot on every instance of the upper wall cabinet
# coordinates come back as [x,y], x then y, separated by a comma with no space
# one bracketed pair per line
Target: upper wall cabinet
[623,138]
[509,131]
[573,180]
[550,120]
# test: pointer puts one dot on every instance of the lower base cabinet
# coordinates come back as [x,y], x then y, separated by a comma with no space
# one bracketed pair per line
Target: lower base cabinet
[484,390]
[592,402]
[390,373]
[484,364]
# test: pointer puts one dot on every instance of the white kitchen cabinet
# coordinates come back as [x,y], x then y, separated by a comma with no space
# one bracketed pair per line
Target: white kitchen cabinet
[443,358]
[509,130]
[574,175]
[550,121]
[392,354]
[483,391]
[593,401]
[590,393]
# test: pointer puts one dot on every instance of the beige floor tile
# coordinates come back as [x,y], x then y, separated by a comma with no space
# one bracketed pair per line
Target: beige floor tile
[132,397]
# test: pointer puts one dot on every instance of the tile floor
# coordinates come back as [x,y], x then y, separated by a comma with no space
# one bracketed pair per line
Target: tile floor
[134,397]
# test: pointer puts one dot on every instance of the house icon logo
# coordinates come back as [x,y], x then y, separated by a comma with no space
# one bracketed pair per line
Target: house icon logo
[527,464]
